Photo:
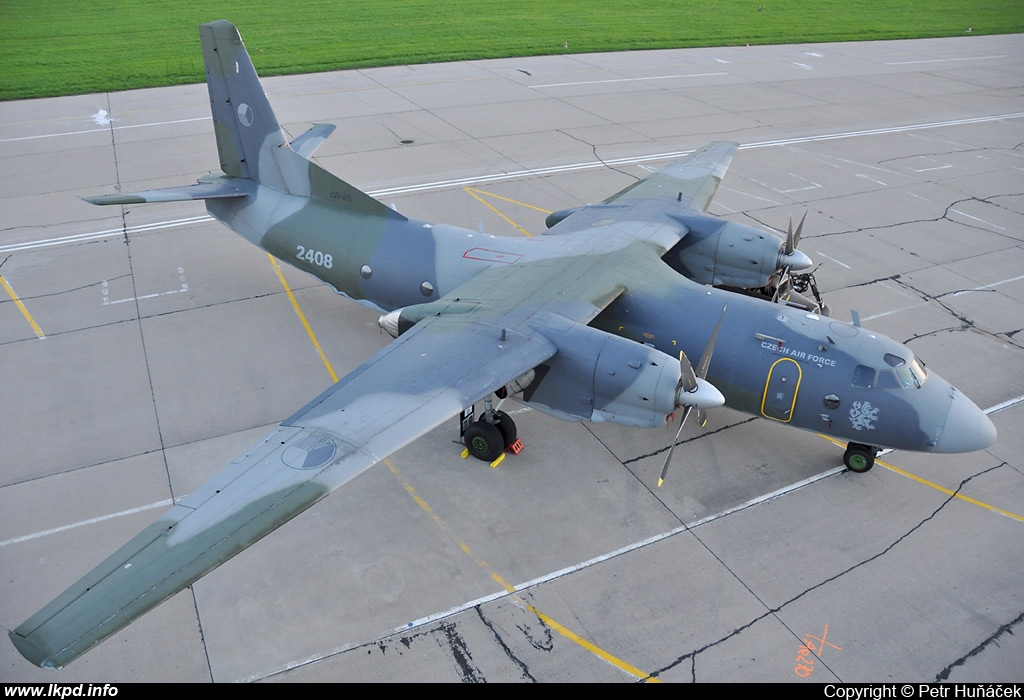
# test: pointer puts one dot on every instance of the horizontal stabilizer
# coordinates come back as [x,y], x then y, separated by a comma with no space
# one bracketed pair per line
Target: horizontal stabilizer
[307,144]
[202,190]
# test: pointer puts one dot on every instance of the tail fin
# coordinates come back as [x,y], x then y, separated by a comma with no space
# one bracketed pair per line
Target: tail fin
[249,139]
[243,121]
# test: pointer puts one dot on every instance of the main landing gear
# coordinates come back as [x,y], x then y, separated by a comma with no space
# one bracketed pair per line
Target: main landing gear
[859,458]
[489,437]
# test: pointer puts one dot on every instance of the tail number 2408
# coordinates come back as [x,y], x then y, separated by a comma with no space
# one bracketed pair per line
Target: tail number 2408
[316,257]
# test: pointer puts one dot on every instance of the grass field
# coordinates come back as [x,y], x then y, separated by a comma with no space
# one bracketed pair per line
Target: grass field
[76,47]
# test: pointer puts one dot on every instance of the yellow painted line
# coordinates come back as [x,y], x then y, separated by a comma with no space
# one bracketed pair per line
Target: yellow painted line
[302,317]
[492,208]
[937,487]
[597,651]
[21,307]
[507,199]
[511,590]
[943,489]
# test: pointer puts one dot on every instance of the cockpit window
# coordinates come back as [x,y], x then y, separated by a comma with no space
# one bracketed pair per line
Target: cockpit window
[894,360]
[912,376]
[887,380]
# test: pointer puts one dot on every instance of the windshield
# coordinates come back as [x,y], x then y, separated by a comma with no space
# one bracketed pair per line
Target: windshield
[911,376]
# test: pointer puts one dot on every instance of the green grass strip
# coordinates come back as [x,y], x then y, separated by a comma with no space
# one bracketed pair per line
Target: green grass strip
[76,47]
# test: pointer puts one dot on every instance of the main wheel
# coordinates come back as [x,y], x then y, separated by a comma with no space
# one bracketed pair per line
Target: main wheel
[859,458]
[507,428]
[484,441]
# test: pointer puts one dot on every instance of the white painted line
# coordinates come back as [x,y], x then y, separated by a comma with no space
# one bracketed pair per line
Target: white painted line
[97,235]
[832,259]
[627,80]
[942,60]
[988,286]
[871,179]
[942,166]
[91,521]
[105,129]
[1005,404]
[144,296]
[515,174]
[980,221]
[893,311]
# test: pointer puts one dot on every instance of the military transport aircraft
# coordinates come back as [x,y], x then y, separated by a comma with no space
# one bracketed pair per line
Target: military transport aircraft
[592,321]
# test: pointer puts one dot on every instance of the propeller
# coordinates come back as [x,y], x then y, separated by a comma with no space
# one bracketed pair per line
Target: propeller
[694,392]
[790,258]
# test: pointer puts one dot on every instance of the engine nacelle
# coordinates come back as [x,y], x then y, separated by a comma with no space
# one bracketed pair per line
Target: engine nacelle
[598,377]
[727,253]
[556,217]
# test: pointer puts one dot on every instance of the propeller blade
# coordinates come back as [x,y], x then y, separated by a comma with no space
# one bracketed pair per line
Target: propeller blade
[799,231]
[793,238]
[705,359]
[784,288]
[668,459]
[699,393]
[687,379]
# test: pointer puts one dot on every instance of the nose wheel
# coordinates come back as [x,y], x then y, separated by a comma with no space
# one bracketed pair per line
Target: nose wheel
[859,458]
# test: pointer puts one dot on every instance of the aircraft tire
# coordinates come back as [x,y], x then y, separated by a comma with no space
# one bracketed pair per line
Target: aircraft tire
[484,441]
[859,458]
[507,428]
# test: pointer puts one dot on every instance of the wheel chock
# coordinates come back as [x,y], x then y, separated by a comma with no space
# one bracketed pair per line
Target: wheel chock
[465,453]
[498,460]
[516,447]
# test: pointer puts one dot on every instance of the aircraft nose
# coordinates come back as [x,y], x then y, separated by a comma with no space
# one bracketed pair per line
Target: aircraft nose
[967,428]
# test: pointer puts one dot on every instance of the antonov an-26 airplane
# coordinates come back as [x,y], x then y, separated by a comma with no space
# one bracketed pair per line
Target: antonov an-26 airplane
[592,321]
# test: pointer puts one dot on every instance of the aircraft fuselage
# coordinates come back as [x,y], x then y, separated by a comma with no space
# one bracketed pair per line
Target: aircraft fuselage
[783,364]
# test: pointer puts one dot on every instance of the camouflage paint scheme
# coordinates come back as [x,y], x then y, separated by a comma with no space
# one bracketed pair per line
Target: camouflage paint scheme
[599,309]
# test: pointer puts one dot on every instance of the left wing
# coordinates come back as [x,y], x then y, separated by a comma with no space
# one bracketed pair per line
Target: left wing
[466,345]
[411,386]
[692,180]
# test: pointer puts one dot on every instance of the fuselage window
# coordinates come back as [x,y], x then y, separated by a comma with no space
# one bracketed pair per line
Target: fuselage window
[864,376]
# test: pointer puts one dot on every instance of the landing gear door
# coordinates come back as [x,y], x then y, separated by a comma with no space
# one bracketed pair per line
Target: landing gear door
[780,390]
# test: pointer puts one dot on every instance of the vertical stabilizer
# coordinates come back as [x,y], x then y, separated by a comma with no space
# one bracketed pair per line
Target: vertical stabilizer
[243,121]
[249,139]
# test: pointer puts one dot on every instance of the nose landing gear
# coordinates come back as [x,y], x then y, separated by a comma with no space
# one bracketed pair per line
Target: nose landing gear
[859,458]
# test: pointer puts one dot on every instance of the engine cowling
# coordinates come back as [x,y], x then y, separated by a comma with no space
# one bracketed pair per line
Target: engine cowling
[728,253]
[598,377]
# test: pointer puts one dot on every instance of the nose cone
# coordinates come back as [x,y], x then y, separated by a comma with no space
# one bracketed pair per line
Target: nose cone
[967,428]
